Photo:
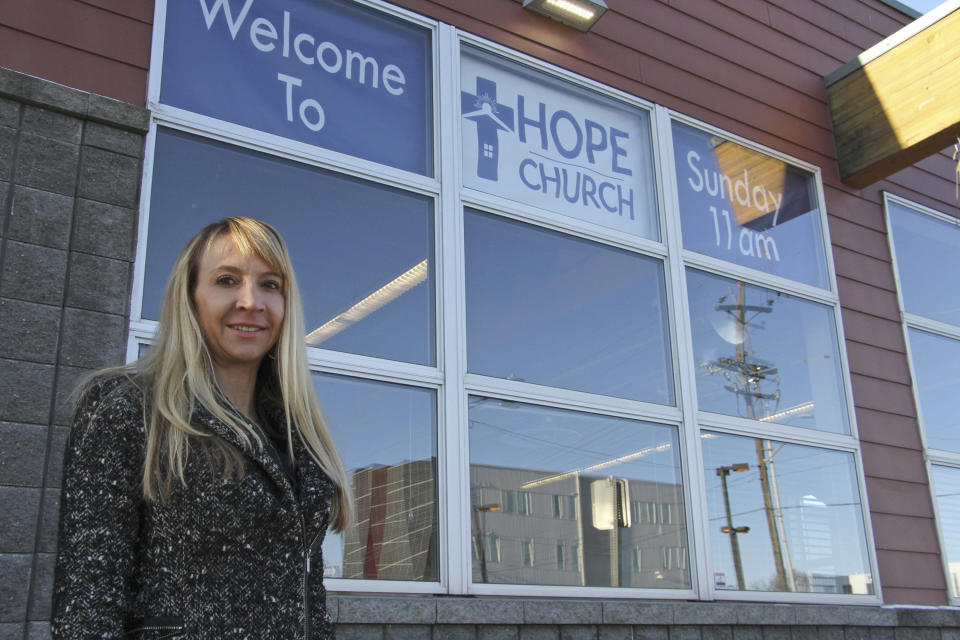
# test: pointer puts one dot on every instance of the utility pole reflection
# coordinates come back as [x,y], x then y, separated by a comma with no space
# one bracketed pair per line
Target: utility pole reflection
[480,525]
[723,472]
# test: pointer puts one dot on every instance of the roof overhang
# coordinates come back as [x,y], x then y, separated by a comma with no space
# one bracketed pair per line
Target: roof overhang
[899,101]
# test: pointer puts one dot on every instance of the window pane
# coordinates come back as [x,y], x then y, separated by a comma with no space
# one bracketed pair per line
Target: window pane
[928,259]
[748,208]
[765,355]
[363,252]
[936,379]
[946,482]
[784,517]
[386,435]
[551,309]
[333,74]
[545,142]
[601,466]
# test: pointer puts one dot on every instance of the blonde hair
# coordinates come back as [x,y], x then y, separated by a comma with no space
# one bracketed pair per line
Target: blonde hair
[178,370]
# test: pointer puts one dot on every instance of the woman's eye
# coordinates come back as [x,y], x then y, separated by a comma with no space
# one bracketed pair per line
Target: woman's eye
[272,284]
[226,280]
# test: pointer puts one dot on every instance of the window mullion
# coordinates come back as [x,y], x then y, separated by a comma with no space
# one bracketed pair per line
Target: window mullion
[454,465]
[691,456]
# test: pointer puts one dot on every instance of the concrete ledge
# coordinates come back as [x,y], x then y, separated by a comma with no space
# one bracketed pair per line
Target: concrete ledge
[386,610]
[572,618]
[491,611]
[50,95]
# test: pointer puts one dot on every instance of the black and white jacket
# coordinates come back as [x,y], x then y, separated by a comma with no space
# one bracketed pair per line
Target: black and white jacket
[220,559]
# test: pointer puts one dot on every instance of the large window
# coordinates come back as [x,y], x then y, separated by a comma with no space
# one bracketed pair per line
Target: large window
[784,517]
[767,378]
[552,309]
[568,342]
[363,252]
[596,463]
[926,248]
[386,435]
[765,355]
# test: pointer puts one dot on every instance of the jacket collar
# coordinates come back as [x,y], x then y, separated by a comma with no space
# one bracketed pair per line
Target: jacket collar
[264,455]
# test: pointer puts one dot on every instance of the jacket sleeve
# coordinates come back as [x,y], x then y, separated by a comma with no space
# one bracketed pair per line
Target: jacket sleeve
[100,514]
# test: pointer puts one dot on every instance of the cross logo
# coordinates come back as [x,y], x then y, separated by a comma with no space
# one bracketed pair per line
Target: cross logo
[491,118]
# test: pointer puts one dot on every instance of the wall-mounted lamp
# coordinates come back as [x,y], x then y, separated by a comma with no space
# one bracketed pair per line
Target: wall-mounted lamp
[579,14]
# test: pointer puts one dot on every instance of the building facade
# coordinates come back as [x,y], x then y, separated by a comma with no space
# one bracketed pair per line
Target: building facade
[608,348]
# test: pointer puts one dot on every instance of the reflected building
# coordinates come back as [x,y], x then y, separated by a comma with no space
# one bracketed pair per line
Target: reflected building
[536,527]
[529,527]
[394,534]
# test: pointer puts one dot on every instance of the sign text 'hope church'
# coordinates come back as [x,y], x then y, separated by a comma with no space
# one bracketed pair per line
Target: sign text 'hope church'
[538,141]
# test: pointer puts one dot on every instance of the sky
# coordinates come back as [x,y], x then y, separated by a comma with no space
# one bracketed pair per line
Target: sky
[922,5]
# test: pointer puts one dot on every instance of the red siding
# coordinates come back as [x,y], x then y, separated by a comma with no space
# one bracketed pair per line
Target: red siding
[101,46]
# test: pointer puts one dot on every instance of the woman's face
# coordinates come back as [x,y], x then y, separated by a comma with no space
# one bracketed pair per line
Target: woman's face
[240,306]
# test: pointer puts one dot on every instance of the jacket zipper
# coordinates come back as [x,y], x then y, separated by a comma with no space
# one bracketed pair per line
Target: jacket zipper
[156,628]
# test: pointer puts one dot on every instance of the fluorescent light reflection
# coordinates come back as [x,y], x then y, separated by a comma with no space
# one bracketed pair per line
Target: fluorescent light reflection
[601,465]
[806,407]
[379,298]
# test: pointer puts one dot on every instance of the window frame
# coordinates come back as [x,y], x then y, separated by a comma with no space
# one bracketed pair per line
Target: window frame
[931,457]
[696,421]
[449,377]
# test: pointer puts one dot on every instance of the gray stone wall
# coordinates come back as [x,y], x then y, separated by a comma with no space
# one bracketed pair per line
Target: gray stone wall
[70,169]
[458,618]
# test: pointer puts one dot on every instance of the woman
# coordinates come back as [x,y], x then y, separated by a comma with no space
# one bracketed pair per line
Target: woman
[199,480]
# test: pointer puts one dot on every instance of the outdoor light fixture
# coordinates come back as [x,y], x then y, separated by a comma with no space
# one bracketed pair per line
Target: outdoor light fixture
[727,529]
[579,14]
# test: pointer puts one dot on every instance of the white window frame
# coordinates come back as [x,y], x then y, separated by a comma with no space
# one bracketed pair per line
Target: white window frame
[931,457]
[450,379]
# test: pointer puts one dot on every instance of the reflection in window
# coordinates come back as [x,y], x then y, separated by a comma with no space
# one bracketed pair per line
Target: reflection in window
[937,384]
[386,435]
[928,259]
[784,517]
[493,546]
[602,463]
[551,309]
[946,483]
[765,355]
[748,208]
[673,558]
[363,252]
[564,506]
[526,552]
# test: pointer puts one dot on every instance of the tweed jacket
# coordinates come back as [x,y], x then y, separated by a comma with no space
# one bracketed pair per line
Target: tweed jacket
[219,559]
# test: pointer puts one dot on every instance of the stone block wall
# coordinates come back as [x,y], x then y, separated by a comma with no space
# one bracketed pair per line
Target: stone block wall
[70,172]
[459,618]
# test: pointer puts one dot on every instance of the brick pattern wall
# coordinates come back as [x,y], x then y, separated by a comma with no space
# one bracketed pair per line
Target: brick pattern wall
[70,170]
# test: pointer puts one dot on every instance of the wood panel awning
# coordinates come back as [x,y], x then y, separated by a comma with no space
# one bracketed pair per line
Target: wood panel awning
[899,101]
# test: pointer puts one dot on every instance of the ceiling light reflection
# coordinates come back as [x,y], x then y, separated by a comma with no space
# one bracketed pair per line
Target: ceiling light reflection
[602,465]
[379,298]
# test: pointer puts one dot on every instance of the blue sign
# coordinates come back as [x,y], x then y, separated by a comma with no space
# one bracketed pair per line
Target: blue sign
[748,208]
[330,73]
[544,142]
